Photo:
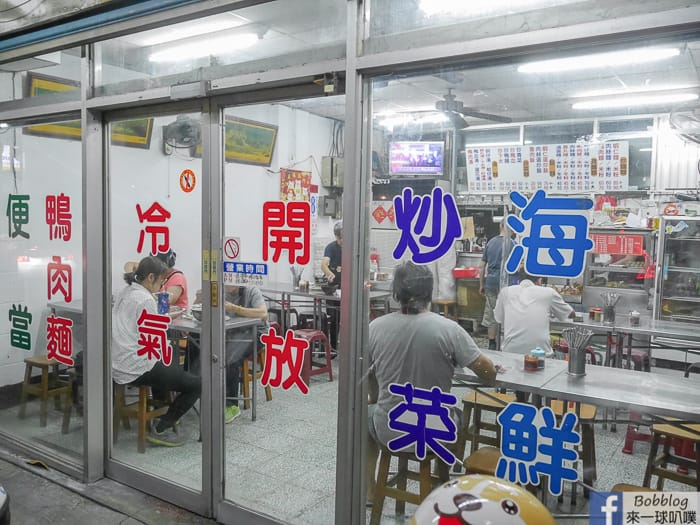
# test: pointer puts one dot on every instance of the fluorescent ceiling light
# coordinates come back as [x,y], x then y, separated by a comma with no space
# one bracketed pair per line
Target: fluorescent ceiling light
[211,46]
[635,100]
[645,149]
[189,29]
[630,90]
[598,60]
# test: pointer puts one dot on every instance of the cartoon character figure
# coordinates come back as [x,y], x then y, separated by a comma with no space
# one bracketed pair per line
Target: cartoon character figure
[481,500]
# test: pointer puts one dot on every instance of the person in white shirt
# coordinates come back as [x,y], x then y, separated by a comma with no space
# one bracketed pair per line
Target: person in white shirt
[524,311]
[130,368]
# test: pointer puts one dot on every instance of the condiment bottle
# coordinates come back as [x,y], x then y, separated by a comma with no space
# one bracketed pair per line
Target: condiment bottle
[530,363]
[539,354]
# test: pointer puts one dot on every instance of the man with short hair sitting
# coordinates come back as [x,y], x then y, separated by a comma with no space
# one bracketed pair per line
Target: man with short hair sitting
[417,346]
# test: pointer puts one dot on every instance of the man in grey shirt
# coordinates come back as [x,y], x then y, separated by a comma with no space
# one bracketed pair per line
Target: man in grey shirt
[413,346]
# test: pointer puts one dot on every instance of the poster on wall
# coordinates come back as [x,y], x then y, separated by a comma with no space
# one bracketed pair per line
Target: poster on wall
[549,167]
[295,185]
[135,133]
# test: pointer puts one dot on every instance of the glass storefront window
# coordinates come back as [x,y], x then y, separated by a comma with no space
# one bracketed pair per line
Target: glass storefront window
[55,77]
[272,35]
[408,24]
[42,333]
[155,171]
[281,462]
[578,126]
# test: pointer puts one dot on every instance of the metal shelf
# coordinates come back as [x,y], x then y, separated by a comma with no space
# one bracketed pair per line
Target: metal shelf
[683,238]
[681,298]
[682,269]
[620,269]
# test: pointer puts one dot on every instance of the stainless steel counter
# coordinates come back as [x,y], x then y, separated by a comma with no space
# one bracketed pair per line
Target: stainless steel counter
[645,392]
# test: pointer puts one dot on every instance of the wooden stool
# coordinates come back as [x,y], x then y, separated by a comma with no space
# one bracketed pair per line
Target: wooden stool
[247,378]
[46,389]
[476,403]
[314,337]
[586,420]
[483,461]
[448,307]
[395,487]
[657,464]
[625,487]
[143,410]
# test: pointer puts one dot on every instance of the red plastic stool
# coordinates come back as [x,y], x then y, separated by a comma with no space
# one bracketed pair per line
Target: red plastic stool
[640,360]
[314,337]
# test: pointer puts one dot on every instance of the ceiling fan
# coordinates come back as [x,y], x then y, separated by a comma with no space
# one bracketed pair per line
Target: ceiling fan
[686,124]
[456,111]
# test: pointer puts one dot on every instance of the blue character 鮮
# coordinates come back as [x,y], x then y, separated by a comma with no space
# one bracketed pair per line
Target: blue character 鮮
[519,461]
[556,244]
[412,214]
[518,442]
[419,432]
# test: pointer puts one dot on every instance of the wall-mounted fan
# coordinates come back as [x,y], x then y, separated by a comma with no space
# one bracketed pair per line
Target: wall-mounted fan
[686,124]
[184,133]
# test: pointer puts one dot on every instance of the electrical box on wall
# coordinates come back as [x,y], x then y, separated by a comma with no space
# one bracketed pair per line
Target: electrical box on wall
[329,206]
[332,172]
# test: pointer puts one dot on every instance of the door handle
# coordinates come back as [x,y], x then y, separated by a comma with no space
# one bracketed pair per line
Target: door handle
[214,358]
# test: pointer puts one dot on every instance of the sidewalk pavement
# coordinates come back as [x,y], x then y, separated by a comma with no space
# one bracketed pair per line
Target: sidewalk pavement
[40,496]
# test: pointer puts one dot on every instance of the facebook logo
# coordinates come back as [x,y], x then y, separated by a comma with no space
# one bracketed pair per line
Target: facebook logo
[606,508]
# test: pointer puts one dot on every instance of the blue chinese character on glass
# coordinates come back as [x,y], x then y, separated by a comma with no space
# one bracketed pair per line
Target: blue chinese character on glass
[518,442]
[412,214]
[425,432]
[551,233]
[524,456]
[555,450]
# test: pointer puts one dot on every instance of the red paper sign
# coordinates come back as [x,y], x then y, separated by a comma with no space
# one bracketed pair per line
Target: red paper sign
[618,244]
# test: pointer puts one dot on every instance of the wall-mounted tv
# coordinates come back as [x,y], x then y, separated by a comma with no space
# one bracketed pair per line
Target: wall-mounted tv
[416,158]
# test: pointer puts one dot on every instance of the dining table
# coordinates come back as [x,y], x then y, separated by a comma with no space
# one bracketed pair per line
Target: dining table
[313,296]
[649,393]
[191,327]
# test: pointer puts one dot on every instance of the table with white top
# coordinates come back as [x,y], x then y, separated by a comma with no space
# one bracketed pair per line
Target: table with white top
[192,326]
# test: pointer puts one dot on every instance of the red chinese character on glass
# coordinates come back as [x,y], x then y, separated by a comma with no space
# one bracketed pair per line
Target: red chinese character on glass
[59,279]
[59,337]
[156,213]
[58,216]
[286,226]
[153,337]
[279,352]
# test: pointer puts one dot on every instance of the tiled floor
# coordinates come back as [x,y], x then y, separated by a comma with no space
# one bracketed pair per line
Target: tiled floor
[283,464]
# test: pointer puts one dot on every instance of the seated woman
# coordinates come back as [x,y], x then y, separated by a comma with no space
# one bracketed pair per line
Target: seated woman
[128,367]
[175,282]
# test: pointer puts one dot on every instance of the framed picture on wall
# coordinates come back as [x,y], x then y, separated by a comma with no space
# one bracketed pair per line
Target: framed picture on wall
[249,142]
[134,133]
[38,85]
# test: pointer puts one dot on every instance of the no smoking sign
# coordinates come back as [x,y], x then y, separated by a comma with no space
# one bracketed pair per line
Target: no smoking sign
[232,248]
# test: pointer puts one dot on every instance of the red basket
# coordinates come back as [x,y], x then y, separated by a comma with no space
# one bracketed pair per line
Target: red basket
[465,273]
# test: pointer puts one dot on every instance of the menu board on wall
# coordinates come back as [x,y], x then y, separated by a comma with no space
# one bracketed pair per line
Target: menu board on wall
[549,167]
[617,244]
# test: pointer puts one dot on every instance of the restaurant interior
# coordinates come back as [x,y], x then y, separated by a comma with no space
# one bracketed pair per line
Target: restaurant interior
[469,128]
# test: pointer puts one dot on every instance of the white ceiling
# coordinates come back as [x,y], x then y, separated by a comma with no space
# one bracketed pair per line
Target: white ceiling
[502,90]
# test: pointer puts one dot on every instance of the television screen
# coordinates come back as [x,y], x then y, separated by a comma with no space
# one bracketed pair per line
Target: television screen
[416,158]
